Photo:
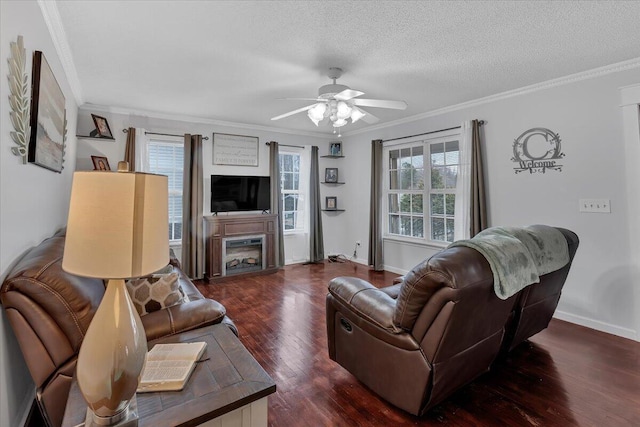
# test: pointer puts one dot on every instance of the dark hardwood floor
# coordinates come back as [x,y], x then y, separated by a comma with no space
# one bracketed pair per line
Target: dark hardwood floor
[566,375]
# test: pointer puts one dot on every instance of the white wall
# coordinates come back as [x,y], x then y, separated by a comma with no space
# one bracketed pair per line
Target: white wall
[296,247]
[33,200]
[599,292]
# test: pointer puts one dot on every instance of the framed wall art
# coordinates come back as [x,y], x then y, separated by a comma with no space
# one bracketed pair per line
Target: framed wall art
[235,150]
[100,163]
[335,149]
[46,144]
[102,127]
[331,175]
[331,203]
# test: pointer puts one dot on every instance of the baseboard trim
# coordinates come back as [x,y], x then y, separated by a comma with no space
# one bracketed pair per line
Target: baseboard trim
[597,325]
[295,261]
[399,271]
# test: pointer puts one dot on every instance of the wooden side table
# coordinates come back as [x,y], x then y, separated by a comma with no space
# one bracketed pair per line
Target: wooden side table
[230,388]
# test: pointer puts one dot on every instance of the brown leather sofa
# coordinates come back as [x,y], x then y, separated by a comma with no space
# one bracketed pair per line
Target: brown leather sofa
[416,342]
[50,311]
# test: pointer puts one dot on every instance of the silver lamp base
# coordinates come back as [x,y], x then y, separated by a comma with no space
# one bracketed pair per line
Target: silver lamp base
[126,418]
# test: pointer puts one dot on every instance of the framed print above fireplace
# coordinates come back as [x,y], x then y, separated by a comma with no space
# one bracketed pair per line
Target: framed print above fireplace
[235,150]
[48,121]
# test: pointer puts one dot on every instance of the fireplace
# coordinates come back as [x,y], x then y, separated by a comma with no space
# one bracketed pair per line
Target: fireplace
[243,254]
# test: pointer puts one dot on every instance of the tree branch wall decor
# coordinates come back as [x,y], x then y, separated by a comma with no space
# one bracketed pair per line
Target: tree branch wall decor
[19,99]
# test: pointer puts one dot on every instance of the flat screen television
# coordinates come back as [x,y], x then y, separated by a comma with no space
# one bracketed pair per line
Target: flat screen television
[240,193]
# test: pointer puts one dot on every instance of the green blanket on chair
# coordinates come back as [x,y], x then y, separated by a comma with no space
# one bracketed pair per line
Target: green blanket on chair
[518,256]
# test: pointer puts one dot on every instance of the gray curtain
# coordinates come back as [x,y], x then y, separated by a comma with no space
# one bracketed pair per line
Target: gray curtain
[316,243]
[130,149]
[375,213]
[192,207]
[478,196]
[276,198]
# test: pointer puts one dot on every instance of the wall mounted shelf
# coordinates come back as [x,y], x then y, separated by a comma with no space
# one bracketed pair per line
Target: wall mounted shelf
[332,157]
[102,138]
[332,183]
[333,210]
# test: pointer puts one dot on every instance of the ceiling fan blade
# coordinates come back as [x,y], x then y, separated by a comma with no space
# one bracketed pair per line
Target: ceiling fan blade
[369,118]
[301,99]
[291,113]
[347,94]
[381,103]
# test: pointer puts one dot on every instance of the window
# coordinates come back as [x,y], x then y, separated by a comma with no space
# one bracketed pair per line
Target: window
[421,189]
[167,158]
[445,157]
[292,195]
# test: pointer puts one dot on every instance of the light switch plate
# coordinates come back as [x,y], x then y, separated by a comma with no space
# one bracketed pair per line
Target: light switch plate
[595,205]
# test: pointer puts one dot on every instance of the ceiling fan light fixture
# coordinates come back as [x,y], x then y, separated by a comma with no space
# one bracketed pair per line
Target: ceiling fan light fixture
[357,114]
[343,110]
[339,122]
[317,113]
[338,103]
[313,119]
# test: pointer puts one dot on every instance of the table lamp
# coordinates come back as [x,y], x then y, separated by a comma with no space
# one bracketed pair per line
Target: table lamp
[117,229]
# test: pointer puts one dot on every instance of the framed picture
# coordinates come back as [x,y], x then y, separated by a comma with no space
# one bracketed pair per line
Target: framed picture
[235,150]
[335,148]
[48,117]
[331,175]
[332,202]
[102,127]
[100,163]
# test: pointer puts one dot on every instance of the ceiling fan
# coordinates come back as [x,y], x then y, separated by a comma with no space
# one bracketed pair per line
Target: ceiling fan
[339,103]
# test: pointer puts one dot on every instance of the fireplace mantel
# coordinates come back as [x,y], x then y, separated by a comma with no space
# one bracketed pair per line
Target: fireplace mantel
[218,229]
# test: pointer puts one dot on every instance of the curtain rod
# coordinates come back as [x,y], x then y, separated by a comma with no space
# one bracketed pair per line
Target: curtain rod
[481,122]
[206,138]
[285,145]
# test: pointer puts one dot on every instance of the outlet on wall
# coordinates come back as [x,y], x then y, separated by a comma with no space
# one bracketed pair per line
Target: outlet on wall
[595,205]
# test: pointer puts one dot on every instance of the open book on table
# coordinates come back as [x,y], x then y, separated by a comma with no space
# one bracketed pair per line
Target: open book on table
[169,366]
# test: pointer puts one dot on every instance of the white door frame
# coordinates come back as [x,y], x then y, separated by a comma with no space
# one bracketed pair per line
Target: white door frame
[630,97]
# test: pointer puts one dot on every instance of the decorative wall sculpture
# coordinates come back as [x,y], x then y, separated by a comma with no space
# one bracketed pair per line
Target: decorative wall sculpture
[19,99]
[537,150]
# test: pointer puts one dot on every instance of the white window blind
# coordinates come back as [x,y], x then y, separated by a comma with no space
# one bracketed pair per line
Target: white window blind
[167,158]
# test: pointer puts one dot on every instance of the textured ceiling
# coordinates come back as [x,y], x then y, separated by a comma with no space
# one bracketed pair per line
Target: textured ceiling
[229,60]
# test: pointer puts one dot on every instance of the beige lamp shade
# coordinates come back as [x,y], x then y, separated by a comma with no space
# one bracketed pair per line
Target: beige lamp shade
[118,225]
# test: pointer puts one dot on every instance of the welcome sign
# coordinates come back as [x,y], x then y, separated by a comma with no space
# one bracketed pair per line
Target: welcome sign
[537,151]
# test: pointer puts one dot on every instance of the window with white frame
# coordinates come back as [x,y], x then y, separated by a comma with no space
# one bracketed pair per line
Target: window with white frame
[421,178]
[167,158]
[292,192]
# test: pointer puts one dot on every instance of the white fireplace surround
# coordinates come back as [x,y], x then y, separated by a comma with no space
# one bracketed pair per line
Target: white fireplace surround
[258,239]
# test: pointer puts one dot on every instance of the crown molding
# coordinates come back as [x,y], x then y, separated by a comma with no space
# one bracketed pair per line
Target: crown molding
[560,81]
[53,20]
[200,120]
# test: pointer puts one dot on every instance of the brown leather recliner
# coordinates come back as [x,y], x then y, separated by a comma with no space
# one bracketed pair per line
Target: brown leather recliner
[416,342]
[50,311]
